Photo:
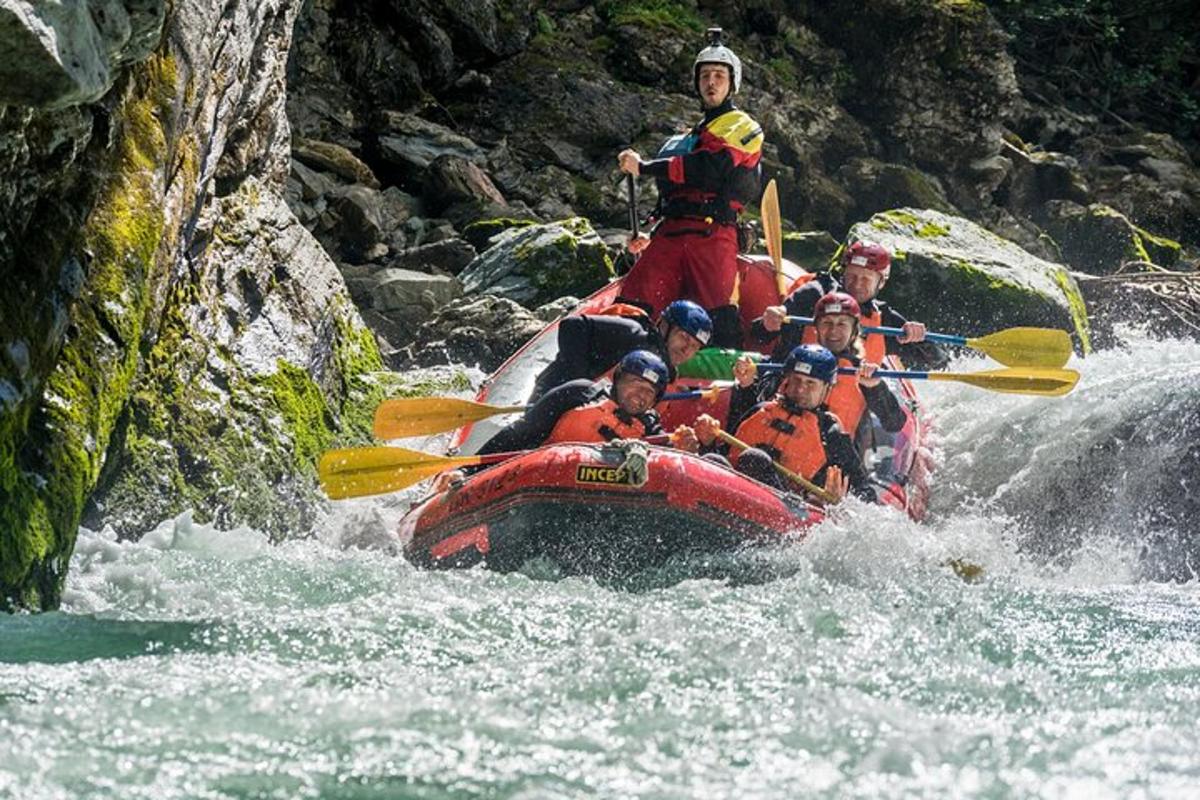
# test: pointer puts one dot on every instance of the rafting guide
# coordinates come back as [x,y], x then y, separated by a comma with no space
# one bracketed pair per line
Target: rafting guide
[705,178]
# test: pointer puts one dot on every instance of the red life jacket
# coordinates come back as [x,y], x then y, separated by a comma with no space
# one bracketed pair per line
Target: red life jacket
[792,439]
[846,400]
[595,422]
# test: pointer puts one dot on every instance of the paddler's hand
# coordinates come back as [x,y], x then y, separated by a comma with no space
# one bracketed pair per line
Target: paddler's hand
[865,371]
[446,480]
[706,429]
[638,243]
[684,438]
[630,162]
[744,372]
[913,332]
[773,318]
[836,484]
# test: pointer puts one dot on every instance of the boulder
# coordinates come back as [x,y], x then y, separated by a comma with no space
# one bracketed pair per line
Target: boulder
[958,277]
[453,180]
[68,53]
[449,256]
[538,263]
[403,293]
[877,186]
[480,233]
[334,158]
[1098,240]
[410,144]
[483,330]
[813,250]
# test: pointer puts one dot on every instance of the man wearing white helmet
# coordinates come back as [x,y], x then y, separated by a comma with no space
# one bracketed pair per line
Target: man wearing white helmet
[705,178]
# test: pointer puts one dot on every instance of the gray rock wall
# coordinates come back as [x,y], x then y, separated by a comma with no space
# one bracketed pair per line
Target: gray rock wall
[176,337]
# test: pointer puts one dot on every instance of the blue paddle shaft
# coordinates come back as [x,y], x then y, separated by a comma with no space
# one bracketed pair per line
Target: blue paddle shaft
[879,373]
[945,338]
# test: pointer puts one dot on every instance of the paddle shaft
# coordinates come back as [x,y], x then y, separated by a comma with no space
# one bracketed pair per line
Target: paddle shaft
[796,478]
[944,338]
[631,186]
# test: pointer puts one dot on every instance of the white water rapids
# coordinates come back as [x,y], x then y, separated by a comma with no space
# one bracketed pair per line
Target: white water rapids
[206,664]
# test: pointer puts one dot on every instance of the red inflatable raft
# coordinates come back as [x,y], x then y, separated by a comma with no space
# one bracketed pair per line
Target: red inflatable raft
[591,510]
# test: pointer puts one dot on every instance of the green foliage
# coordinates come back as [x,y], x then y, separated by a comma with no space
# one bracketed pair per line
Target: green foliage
[1134,58]
[651,14]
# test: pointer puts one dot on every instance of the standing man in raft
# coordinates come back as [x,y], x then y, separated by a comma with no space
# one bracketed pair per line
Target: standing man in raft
[705,178]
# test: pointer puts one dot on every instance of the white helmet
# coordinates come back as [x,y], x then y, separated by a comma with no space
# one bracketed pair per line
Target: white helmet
[718,53]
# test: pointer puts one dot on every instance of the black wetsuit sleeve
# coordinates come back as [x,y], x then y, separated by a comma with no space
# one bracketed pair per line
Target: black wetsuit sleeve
[588,346]
[883,404]
[841,452]
[921,355]
[540,418]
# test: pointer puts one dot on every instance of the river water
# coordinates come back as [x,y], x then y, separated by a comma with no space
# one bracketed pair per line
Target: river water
[201,663]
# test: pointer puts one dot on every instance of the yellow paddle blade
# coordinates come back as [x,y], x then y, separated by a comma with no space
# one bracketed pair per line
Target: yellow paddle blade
[1026,347]
[773,232]
[362,471]
[422,416]
[1033,380]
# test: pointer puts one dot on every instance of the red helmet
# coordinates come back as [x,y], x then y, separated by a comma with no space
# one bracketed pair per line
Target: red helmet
[837,303]
[870,255]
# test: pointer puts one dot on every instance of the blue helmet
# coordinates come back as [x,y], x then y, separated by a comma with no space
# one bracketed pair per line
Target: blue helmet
[647,366]
[691,317]
[812,360]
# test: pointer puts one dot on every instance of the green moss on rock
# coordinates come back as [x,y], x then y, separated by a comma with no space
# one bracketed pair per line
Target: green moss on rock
[83,397]
[958,277]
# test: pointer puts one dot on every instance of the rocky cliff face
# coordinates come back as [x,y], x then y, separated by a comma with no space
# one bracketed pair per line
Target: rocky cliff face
[172,336]
[198,200]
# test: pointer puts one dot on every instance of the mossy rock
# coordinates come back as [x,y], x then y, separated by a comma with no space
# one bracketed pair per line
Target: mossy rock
[958,277]
[538,263]
[813,250]
[1098,239]
[480,232]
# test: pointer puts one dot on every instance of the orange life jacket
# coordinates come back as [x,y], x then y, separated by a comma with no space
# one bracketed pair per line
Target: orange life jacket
[624,310]
[846,400]
[874,344]
[792,439]
[595,422]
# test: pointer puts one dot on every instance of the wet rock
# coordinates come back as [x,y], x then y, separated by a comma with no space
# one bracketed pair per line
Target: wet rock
[312,184]
[410,144]
[481,232]
[453,180]
[483,330]
[359,222]
[1098,240]
[1039,176]
[556,309]
[334,158]
[954,275]
[936,81]
[410,295]
[68,53]
[448,255]
[813,250]
[877,186]
[538,263]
